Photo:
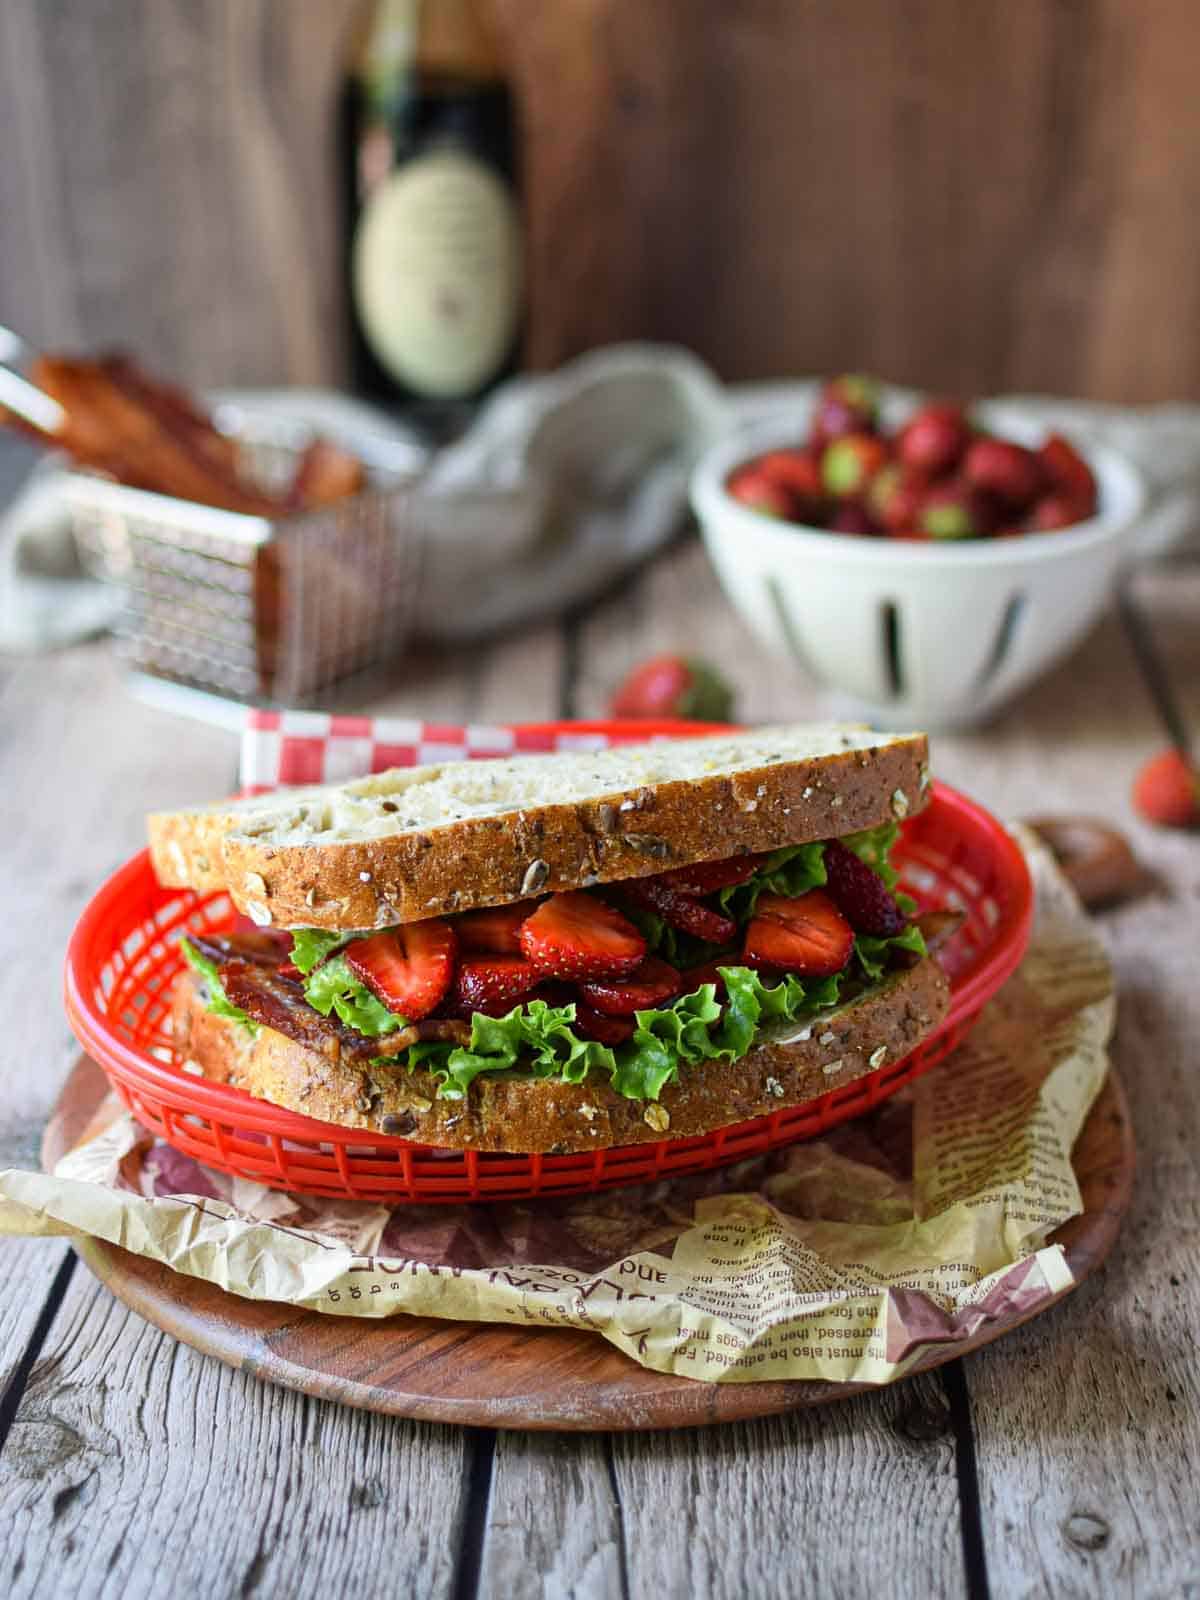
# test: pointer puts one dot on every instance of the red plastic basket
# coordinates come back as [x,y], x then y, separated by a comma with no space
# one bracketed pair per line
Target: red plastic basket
[123,959]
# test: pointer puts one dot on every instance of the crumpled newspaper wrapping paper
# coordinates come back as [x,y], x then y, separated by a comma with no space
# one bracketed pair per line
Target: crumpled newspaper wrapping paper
[841,1259]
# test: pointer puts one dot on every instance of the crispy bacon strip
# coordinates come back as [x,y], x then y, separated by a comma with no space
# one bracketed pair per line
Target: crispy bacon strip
[122,424]
[256,986]
[325,474]
[278,1002]
[151,435]
[261,947]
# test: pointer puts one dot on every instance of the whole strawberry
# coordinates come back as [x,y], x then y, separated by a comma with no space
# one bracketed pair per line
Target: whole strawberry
[956,511]
[849,464]
[934,439]
[752,487]
[851,517]
[846,404]
[797,471]
[1069,473]
[674,686]
[1167,790]
[894,499]
[1005,469]
[1058,510]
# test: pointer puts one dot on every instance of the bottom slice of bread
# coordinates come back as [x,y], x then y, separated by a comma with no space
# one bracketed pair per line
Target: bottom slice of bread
[509,1111]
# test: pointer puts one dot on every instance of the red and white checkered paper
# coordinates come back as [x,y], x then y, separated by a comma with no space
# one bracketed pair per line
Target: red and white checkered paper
[286,748]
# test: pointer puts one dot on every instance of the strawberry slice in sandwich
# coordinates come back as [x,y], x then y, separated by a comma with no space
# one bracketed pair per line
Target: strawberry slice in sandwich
[563,952]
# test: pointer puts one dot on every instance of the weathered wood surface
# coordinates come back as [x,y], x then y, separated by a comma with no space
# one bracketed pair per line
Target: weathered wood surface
[136,1467]
[747,1510]
[1085,1431]
[1089,1413]
[169,182]
[513,1376]
[955,195]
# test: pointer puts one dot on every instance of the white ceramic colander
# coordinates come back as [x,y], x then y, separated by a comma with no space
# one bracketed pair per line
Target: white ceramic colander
[932,635]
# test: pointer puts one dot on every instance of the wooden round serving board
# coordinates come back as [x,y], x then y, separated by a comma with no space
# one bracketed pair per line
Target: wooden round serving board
[529,1378]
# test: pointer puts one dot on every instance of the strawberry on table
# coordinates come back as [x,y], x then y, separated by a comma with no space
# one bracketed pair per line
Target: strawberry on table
[646,987]
[577,935]
[1167,790]
[674,686]
[493,984]
[409,968]
[494,929]
[806,934]
[860,894]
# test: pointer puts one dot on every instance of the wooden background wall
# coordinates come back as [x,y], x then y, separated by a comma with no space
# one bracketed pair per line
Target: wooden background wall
[970,194]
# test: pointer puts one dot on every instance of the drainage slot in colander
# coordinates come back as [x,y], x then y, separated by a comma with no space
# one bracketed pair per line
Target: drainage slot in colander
[788,629]
[889,628]
[1005,634]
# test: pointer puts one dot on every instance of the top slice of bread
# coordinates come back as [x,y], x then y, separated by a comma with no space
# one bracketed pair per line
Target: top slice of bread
[419,842]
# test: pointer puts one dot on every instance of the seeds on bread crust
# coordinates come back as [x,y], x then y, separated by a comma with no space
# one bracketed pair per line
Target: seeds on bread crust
[536,875]
[482,861]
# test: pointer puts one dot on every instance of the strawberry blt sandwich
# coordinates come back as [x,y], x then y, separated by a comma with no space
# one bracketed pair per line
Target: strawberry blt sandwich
[564,952]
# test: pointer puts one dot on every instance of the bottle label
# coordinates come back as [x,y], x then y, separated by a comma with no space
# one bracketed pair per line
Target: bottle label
[437,273]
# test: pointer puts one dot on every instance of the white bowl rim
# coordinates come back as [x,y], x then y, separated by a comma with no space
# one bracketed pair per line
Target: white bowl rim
[1122,499]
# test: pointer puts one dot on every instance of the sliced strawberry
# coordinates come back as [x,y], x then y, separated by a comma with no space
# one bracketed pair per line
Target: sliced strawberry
[691,980]
[591,1024]
[495,929]
[704,877]
[408,968]
[493,984]
[680,910]
[652,983]
[807,934]
[860,894]
[576,935]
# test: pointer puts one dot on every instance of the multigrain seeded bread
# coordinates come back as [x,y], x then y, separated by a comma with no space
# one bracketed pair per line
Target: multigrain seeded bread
[516,1113]
[420,842]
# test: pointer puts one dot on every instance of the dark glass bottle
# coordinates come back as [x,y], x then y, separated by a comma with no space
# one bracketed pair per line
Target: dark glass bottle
[433,266]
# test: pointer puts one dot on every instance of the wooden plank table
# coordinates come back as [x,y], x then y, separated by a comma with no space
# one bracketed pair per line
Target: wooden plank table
[1059,1461]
